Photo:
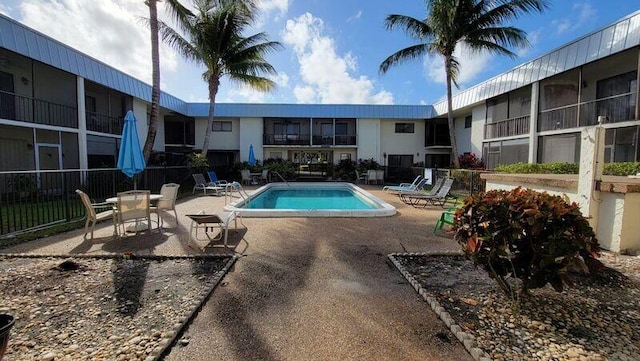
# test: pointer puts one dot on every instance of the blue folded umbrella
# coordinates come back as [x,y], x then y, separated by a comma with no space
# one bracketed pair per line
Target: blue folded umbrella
[130,159]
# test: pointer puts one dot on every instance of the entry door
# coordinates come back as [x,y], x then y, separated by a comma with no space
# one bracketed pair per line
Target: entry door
[49,157]
[7,99]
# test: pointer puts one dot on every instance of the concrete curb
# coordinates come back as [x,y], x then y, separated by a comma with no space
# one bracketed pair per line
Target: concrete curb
[467,340]
[179,327]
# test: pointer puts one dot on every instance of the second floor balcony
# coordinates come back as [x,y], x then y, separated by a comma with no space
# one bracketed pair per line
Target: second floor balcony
[31,110]
[618,108]
[287,139]
[104,123]
[507,128]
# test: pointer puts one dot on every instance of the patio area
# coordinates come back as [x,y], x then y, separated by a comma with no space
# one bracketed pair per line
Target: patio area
[304,288]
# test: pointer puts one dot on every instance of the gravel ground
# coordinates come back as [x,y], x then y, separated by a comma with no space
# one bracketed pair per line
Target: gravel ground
[106,309]
[598,319]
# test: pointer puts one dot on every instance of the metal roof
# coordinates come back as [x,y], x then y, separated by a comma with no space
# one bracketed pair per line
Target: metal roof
[312,111]
[33,44]
[621,35]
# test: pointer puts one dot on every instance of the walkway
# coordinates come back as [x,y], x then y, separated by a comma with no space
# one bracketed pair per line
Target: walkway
[316,288]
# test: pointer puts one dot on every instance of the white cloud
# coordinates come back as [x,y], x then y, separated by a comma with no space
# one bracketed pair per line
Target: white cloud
[278,6]
[472,63]
[356,16]
[585,13]
[107,30]
[4,9]
[327,77]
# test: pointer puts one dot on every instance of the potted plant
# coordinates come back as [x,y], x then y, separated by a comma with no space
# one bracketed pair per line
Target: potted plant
[6,323]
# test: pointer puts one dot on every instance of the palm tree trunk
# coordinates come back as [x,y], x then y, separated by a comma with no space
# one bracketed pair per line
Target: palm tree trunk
[214,83]
[155,88]
[450,121]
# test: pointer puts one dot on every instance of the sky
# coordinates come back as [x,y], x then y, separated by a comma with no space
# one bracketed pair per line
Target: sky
[332,49]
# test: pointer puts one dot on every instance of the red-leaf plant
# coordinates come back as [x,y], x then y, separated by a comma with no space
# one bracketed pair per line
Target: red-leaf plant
[524,235]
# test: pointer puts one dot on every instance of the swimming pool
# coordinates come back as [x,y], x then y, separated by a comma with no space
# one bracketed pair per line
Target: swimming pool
[312,200]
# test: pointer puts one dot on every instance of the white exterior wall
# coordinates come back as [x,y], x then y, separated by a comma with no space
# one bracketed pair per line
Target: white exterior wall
[402,143]
[227,140]
[463,136]
[478,121]
[140,112]
[251,134]
[369,139]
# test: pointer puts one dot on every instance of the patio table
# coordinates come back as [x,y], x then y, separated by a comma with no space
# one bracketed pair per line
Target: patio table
[139,226]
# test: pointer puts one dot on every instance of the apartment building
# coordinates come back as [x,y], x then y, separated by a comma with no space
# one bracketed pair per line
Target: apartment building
[61,109]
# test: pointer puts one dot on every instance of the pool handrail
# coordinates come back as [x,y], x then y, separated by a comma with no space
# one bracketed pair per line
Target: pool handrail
[230,187]
[281,177]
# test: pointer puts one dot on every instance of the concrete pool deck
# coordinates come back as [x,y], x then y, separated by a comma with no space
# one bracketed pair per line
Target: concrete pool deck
[306,288]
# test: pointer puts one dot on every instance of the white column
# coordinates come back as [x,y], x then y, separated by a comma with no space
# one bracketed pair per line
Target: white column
[533,123]
[591,166]
[82,125]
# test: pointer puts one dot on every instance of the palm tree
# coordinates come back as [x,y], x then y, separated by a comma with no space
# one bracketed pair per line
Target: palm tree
[155,87]
[475,23]
[213,36]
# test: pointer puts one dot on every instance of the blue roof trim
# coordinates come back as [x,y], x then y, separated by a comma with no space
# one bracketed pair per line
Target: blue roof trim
[239,110]
[33,44]
[621,35]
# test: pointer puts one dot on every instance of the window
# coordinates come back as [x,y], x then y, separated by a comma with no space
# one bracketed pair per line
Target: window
[344,156]
[467,121]
[275,155]
[220,126]
[405,127]
[90,104]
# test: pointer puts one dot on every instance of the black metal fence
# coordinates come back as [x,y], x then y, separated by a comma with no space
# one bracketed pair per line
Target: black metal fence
[32,200]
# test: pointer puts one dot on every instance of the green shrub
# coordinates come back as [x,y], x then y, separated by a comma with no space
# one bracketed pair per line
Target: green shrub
[286,168]
[526,237]
[539,168]
[621,168]
[345,170]
[198,163]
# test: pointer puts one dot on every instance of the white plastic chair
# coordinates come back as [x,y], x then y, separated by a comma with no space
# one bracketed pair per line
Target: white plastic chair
[93,216]
[133,206]
[169,194]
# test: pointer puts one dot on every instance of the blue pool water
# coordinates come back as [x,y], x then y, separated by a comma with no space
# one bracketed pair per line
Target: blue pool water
[305,199]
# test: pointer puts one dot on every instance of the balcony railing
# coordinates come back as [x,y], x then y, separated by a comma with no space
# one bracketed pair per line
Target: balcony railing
[618,108]
[104,123]
[31,110]
[287,139]
[507,127]
[337,140]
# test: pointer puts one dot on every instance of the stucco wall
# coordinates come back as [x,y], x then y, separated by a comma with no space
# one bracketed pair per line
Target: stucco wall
[394,143]
[369,139]
[251,134]
[227,140]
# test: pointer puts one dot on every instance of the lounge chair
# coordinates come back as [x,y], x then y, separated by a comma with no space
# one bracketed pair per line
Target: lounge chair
[440,198]
[404,195]
[203,185]
[214,181]
[416,185]
[220,221]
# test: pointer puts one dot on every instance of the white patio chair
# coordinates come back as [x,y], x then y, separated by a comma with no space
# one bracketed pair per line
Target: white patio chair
[96,212]
[246,176]
[169,194]
[133,207]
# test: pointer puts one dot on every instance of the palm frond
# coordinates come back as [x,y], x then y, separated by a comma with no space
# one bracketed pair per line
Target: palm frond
[177,42]
[410,53]
[256,82]
[414,28]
